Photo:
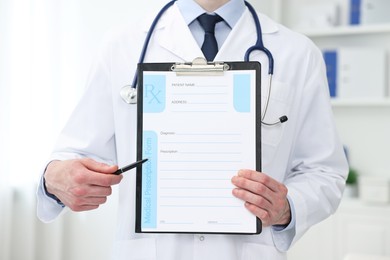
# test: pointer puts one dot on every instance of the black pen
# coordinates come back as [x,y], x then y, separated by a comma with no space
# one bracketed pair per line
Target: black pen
[130,166]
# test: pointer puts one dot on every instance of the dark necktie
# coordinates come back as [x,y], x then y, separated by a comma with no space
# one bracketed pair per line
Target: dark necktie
[210,46]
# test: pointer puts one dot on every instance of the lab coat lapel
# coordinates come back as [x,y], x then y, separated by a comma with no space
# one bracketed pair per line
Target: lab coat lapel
[177,38]
[243,36]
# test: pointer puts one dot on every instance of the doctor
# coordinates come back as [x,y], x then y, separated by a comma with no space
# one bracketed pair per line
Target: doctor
[304,167]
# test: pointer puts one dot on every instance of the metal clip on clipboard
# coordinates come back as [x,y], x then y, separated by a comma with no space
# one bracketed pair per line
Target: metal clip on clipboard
[199,66]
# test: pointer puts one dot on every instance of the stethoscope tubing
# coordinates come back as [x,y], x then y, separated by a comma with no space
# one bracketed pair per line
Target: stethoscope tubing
[147,39]
[259,46]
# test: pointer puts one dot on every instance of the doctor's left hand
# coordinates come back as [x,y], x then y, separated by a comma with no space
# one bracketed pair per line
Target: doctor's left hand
[264,197]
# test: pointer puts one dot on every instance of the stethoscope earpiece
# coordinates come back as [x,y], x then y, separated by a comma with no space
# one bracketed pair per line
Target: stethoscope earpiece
[129,94]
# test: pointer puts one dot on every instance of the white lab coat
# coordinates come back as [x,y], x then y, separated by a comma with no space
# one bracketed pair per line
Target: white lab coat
[304,153]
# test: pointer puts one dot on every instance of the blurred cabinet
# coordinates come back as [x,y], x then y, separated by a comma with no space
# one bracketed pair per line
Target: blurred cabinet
[364,127]
[356,228]
[363,124]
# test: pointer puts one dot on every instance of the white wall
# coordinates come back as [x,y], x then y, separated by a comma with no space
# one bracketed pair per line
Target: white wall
[46,48]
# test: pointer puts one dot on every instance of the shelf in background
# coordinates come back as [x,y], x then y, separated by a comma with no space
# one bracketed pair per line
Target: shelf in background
[385,102]
[347,30]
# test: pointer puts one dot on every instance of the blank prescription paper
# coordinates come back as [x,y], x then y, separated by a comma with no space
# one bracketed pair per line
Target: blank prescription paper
[197,132]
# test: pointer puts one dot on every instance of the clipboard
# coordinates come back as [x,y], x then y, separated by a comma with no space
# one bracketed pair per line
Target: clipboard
[182,110]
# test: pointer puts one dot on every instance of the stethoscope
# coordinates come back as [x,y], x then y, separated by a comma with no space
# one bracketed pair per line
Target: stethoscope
[129,92]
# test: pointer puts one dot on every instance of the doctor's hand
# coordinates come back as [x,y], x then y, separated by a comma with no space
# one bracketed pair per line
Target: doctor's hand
[80,184]
[264,197]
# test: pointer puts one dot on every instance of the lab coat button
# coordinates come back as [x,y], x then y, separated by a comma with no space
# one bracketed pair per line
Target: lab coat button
[201,238]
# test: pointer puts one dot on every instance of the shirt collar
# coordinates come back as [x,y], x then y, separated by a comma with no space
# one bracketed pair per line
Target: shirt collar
[230,12]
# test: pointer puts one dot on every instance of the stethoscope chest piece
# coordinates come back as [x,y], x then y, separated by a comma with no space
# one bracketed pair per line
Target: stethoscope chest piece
[129,94]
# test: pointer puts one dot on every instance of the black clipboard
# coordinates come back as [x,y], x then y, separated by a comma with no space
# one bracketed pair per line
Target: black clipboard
[148,217]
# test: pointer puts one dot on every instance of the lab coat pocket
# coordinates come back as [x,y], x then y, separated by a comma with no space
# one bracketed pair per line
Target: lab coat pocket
[277,107]
[135,249]
[252,251]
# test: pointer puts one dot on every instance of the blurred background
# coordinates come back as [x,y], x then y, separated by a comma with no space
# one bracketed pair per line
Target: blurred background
[46,48]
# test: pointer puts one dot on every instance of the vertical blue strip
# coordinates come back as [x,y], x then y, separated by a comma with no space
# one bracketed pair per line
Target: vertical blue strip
[242,93]
[355,12]
[149,180]
[330,58]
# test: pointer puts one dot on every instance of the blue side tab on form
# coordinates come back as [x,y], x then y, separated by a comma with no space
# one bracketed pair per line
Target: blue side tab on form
[242,93]
[149,180]
[154,90]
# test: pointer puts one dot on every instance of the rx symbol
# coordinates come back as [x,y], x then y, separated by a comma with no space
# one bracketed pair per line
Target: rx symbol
[152,94]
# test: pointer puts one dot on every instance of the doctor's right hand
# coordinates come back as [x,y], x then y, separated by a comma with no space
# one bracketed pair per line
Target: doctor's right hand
[81,184]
